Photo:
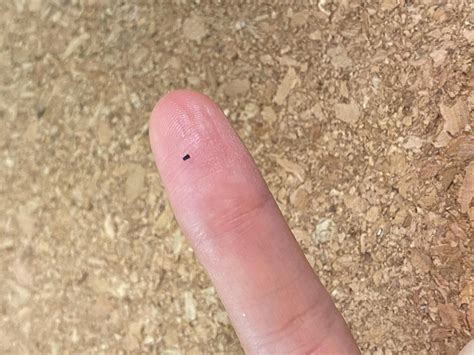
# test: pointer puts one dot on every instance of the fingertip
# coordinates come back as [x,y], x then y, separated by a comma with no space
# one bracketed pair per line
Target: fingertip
[181,120]
[172,101]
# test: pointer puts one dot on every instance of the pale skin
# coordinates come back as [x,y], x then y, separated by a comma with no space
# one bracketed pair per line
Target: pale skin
[275,301]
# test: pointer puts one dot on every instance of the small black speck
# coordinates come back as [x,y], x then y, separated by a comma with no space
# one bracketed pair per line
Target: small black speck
[186,157]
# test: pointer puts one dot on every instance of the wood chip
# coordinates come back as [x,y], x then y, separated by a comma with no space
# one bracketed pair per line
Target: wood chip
[130,342]
[115,287]
[6,340]
[189,306]
[429,170]
[429,198]
[466,295]
[300,198]
[269,114]
[388,5]
[27,222]
[348,113]
[31,132]
[466,192]
[223,318]
[135,181]
[413,143]
[22,273]
[5,59]
[6,243]
[421,261]
[447,177]
[455,119]
[102,307]
[288,61]
[165,218]
[339,57]
[441,334]
[266,59]
[98,284]
[400,216]
[34,5]
[290,80]
[237,87]
[438,56]
[291,168]
[469,35]
[194,28]
[302,236]
[75,44]
[343,262]
[300,18]
[372,214]
[450,316]
[109,227]
[315,36]
[325,231]
[104,133]
[317,111]
[397,162]
[356,203]
[462,148]
[470,321]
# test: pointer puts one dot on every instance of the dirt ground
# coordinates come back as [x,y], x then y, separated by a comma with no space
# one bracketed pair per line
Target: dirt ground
[359,113]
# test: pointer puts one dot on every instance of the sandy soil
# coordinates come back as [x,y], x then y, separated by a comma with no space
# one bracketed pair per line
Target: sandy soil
[359,113]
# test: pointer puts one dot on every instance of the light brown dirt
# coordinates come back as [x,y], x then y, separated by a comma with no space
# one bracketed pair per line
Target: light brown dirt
[359,113]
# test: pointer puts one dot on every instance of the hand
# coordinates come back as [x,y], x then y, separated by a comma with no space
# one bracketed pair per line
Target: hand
[275,301]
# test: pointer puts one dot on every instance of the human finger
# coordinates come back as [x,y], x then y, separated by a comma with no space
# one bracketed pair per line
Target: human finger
[274,300]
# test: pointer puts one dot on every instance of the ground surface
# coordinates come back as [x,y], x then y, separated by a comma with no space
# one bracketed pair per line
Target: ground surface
[359,113]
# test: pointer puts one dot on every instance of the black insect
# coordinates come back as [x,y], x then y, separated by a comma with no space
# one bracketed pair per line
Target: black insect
[186,157]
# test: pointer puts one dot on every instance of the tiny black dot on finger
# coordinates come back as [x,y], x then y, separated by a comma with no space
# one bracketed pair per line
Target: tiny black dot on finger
[186,157]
